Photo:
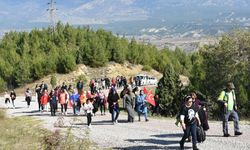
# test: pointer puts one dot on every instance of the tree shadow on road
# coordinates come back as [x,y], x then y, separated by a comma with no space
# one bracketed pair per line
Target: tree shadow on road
[149,148]
[168,135]
[157,142]
[214,135]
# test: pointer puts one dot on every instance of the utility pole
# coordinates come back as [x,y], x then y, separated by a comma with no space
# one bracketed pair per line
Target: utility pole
[52,12]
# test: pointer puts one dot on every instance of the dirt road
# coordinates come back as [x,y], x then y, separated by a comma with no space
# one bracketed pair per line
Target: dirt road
[155,134]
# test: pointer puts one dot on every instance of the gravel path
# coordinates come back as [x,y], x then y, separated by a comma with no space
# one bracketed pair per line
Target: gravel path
[155,134]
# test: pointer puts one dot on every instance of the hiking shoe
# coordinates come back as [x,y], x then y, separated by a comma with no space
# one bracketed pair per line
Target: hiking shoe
[226,135]
[189,139]
[237,133]
[195,148]
[181,145]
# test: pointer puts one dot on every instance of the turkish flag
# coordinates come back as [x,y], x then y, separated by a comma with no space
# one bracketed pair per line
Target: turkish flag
[145,91]
[150,98]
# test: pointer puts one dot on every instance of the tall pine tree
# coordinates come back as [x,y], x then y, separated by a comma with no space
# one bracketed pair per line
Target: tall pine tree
[169,90]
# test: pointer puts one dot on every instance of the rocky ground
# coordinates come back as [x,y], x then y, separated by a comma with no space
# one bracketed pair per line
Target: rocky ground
[155,134]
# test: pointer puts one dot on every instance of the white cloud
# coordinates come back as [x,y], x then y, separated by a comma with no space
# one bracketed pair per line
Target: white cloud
[90,5]
[127,2]
[4,13]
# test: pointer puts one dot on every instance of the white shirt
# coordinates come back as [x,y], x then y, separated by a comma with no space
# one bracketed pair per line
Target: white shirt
[88,107]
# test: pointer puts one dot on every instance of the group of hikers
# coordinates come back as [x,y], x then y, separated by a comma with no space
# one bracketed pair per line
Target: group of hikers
[91,100]
[193,113]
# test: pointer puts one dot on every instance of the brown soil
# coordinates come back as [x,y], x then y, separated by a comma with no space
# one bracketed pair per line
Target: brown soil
[110,70]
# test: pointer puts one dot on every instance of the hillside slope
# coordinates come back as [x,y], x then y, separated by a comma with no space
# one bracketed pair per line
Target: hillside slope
[110,70]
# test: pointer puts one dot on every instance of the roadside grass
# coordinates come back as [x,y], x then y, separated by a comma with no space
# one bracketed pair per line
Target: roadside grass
[25,133]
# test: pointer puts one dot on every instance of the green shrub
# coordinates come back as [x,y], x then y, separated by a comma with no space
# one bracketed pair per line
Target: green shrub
[147,68]
[53,81]
[83,78]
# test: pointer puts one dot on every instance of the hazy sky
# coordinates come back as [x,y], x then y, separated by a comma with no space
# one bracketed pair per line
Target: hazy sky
[27,14]
[14,13]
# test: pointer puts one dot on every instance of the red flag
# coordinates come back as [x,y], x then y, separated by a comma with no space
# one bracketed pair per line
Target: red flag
[70,104]
[145,91]
[150,98]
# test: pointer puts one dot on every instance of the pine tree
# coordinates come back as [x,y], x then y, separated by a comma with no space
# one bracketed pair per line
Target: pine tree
[169,88]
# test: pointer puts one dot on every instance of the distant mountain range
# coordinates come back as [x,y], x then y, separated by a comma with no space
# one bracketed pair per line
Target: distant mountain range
[186,18]
[162,18]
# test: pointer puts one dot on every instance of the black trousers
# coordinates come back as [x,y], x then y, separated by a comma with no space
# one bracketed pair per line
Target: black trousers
[64,106]
[7,100]
[190,129]
[53,109]
[28,99]
[89,118]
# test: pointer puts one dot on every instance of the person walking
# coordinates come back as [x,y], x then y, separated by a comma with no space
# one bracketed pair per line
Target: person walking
[63,101]
[141,105]
[53,102]
[75,101]
[228,100]
[28,97]
[128,98]
[202,111]
[189,118]
[88,107]
[102,100]
[44,100]
[13,98]
[113,98]
[38,96]
[79,86]
[156,108]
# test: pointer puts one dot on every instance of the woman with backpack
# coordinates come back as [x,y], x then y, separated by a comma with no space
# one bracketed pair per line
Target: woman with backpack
[203,115]
[189,117]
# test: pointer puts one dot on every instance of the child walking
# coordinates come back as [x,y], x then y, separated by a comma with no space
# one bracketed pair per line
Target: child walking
[88,107]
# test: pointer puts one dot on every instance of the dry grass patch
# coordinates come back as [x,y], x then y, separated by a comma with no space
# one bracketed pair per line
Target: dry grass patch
[24,133]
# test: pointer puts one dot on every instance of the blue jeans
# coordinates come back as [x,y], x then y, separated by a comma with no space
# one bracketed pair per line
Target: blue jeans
[115,114]
[190,129]
[235,116]
[144,112]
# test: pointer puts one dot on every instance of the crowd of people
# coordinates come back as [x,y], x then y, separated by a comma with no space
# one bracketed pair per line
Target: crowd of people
[193,111]
[92,100]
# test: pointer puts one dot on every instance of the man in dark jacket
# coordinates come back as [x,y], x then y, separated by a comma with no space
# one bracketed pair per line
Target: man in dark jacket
[113,98]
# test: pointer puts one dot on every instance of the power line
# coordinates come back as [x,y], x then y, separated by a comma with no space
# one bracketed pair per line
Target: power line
[52,13]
